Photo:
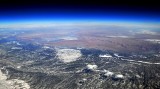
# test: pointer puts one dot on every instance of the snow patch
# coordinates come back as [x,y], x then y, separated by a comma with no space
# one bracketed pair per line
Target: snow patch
[84,79]
[18,67]
[108,73]
[119,36]
[45,47]
[12,83]
[119,76]
[117,55]
[153,40]
[106,55]
[140,61]
[68,55]
[147,32]
[92,67]
[14,48]
[68,38]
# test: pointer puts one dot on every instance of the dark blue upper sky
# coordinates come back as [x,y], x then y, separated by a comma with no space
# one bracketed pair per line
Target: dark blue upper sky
[21,13]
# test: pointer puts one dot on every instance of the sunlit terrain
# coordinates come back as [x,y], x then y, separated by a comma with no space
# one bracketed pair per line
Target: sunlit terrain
[73,57]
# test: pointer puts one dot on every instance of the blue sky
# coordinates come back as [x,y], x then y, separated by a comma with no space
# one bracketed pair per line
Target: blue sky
[48,15]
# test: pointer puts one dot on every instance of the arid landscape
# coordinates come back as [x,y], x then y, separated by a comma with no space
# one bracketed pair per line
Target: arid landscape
[83,57]
[116,38]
